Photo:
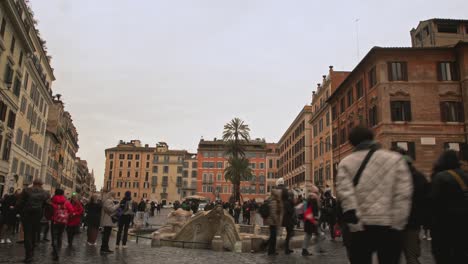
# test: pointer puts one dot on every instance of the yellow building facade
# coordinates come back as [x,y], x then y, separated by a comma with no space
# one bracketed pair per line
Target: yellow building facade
[150,173]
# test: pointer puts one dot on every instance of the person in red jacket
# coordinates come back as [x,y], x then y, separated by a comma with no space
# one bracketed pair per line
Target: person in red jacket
[75,219]
[62,209]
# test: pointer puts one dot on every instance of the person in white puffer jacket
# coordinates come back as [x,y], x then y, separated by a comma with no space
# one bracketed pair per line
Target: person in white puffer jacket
[377,207]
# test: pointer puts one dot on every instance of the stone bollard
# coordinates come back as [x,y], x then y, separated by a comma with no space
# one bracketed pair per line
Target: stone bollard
[156,239]
[217,243]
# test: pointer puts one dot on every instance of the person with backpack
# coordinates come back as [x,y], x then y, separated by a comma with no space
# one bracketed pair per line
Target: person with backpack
[124,219]
[30,206]
[450,201]
[62,210]
[272,212]
[374,187]
[74,221]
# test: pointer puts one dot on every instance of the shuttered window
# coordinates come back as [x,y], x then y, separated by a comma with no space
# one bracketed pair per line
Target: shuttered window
[397,71]
[451,111]
[401,110]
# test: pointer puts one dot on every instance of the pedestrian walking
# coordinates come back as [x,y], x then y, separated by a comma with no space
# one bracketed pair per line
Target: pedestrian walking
[62,210]
[287,200]
[374,187]
[330,212]
[158,208]
[450,201]
[8,218]
[311,215]
[273,218]
[420,197]
[93,219]
[124,220]
[30,206]
[153,208]
[109,209]
[74,221]
[237,212]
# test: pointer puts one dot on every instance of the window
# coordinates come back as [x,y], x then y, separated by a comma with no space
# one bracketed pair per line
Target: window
[194,165]
[179,169]
[447,28]
[446,71]
[128,173]
[12,47]
[350,97]
[121,156]
[219,165]
[136,174]
[270,164]
[3,111]
[137,164]
[17,87]
[333,111]
[373,120]
[2,28]
[8,78]
[130,156]
[359,90]
[129,164]
[194,174]
[137,156]
[408,146]
[397,71]
[401,110]
[23,105]
[327,144]
[343,136]
[327,119]
[6,150]
[372,77]
[154,180]
[20,61]
[320,125]
[451,111]
[321,148]
[120,173]
[455,146]
[219,177]
[146,176]
[262,165]
[147,165]
[315,130]
[121,164]
[155,169]
[11,119]
[19,136]
[342,105]
[166,169]
[316,152]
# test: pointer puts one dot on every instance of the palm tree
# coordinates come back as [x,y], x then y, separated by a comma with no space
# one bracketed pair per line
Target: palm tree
[236,134]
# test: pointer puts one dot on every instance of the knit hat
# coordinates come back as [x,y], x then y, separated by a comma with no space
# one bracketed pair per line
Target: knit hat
[279,182]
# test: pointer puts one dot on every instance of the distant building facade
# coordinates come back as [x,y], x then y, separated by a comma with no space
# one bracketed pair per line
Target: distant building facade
[272,163]
[212,162]
[295,151]
[322,159]
[154,173]
[439,32]
[413,98]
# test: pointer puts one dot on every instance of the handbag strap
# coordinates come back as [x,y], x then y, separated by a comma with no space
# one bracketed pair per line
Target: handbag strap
[459,180]
[357,177]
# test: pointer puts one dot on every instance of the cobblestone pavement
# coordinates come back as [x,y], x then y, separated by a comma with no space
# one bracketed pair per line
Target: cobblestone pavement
[142,253]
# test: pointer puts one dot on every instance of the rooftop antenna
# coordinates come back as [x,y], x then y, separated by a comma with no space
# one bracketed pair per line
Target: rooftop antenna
[356,21]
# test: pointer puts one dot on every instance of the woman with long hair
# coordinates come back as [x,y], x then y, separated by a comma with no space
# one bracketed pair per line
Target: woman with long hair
[93,219]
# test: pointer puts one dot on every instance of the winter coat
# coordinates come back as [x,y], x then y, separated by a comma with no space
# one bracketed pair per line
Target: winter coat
[32,199]
[420,199]
[9,210]
[60,200]
[93,214]
[449,201]
[75,217]
[108,209]
[141,206]
[383,194]
[126,206]
[275,204]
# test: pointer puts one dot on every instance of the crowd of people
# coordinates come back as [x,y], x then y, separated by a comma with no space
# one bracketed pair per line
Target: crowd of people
[382,203]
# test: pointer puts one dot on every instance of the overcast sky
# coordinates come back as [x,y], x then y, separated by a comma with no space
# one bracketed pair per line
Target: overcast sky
[175,71]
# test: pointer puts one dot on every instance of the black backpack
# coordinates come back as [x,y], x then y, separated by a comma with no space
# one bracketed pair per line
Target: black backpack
[264,209]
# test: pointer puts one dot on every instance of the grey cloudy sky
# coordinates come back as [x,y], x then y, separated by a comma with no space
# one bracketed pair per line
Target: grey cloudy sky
[177,70]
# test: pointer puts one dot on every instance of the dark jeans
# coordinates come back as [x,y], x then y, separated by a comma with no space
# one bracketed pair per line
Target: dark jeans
[331,226]
[124,223]
[272,240]
[383,240]
[449,246]
[289,235]
[57,234]
[32,226]
[105,237]
[71,232]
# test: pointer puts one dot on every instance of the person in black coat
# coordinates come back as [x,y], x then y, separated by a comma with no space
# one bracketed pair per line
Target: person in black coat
[450,204]
[288,217]
[8,216]
[93,219]
[419,205]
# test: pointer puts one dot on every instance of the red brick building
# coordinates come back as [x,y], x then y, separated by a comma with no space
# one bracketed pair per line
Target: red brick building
[414,98]
[212,162]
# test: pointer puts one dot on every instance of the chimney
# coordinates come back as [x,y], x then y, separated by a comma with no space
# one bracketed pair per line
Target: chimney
[324,77]
[331,68]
